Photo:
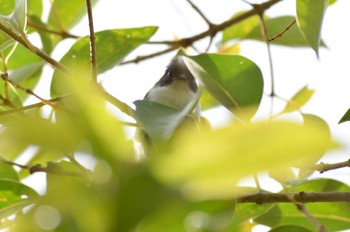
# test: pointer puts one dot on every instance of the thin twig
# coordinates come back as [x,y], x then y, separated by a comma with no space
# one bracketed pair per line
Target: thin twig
[33,49]
[301,197]
[186,42]
[52,169]
[33,106]
[63,34]
[92,42]
[4,77]
[323,167]
[200,13]
[312,219]
[284,31]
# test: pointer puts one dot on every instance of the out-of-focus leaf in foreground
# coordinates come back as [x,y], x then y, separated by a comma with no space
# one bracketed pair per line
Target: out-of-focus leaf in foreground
[208,165]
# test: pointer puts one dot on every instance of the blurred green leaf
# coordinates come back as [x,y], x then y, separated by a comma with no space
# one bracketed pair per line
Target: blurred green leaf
[208,101]
[111,47]
[298,100]
[160,121]
[47,39]
[35,7]
[14,197]
[7,7]
[331,2]
[346,117]
[209,164]
[246,212]
[241,29]
[310,15]
[64,16]
[8,172]
[234,81]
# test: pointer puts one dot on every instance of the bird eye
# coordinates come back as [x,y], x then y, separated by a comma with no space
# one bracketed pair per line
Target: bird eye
[169,73]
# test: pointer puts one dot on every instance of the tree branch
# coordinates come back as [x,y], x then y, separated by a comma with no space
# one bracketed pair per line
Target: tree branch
[33,49]
[323,167]
[214,29]
[301,197]
[92,42]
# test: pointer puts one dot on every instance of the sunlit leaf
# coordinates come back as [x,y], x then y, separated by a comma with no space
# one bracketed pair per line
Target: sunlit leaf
[331,2]
[310,15]
[111,47]
[35,7]
[234,81]
[13,193]
[64,16]
[298,100]
[241,29]
[208,101]
[209,164]
[230,49]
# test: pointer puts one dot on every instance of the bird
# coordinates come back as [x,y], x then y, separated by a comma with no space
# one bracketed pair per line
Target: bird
[175,89]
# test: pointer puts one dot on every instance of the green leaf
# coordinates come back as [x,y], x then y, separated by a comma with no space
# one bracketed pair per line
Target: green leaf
[35,7]
[64,15]
[246,212]
[111,47]
[310,15]
[13,16]
[241,29]
[331,2]
[8,172]
[290,228]
[298,100]
[346,117]
[160,121]
[12,193]
[209,164]
[7,7]
[233,80]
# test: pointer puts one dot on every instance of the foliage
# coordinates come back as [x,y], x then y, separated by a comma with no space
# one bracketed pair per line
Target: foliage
[189,183]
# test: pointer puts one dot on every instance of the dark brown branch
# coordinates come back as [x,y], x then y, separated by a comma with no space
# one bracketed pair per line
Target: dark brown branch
[186,42]
[32,48]
[92,42]
[301,197]
[323,167]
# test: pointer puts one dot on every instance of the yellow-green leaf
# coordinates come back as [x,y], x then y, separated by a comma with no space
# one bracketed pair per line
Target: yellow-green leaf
[298,100]
[209,164]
